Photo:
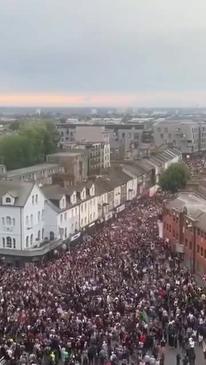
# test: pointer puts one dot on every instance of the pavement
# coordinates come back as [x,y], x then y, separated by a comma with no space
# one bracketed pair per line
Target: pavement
[170,357]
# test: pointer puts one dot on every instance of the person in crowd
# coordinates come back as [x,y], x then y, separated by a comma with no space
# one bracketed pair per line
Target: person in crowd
[119,298]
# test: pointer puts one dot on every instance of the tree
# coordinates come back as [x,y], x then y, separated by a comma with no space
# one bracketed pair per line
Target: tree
[29,145]
[174,178]
[16,151]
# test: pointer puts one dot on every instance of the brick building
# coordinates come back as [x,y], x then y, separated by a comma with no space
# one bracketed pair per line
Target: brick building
[184,225]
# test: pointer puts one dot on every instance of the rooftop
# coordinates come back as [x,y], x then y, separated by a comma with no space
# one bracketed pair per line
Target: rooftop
[31,169]
[194,204]
[20,191]
[164,156]
[64,154]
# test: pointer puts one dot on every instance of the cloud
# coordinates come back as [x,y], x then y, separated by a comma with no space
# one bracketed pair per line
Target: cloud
[95,47]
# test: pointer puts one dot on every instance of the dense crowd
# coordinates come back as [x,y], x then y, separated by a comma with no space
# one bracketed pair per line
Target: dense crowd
[120,297]
[196,164]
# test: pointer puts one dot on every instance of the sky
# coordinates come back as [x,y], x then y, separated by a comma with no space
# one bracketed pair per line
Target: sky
[141,53]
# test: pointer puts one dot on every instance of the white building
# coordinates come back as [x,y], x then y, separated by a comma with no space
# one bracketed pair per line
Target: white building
[21,215]
[61,213]
[88,210]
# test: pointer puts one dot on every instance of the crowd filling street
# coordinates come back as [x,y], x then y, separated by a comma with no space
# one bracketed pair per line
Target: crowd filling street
[120,297]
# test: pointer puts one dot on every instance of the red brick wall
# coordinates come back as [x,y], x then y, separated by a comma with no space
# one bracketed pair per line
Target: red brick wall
[201,250]
[171,227]
[172,231]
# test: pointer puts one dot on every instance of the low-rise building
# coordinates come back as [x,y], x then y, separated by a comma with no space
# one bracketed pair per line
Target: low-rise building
[162,160]
[184,226]
[41,173]
[88,209]
[61,212]
[75,164]
[21,215]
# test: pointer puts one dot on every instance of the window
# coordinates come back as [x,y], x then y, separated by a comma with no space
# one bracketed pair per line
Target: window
[39,216]
[65,233]
[205,254]
[201,251]
[8,200]
[190,245]
[8,221]
[61,218]
[51,236]
[198,248]
[76,211]
[14,243]
[3,242]
[27,241]
[13,221]
[173,233]
[42,233]
[31,219]
[31,239]
[81,208]
[65,216]
[32,199]
[42,214]
[36,198]
[8,242]
[186,242]
[39,235]
[3,221]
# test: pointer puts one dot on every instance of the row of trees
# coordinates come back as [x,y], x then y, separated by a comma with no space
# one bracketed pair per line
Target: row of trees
[29,145]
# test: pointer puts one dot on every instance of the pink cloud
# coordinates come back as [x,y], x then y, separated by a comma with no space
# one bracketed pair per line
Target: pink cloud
[161,98]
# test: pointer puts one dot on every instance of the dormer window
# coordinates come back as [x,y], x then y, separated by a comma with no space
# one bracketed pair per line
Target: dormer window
[9,199]
[83,194]
[73,198]
[92,191]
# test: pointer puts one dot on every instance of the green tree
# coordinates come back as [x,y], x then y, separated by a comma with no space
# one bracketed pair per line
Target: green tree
[29,145]
[174,178]
[16,151]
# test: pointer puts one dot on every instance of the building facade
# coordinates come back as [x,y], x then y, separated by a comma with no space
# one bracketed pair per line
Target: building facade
[41,174]
[75,164]
[21,215]
[184,227]
[124,138]
[187,136]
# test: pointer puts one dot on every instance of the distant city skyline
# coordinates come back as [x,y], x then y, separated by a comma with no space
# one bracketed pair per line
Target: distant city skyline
[119,53]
